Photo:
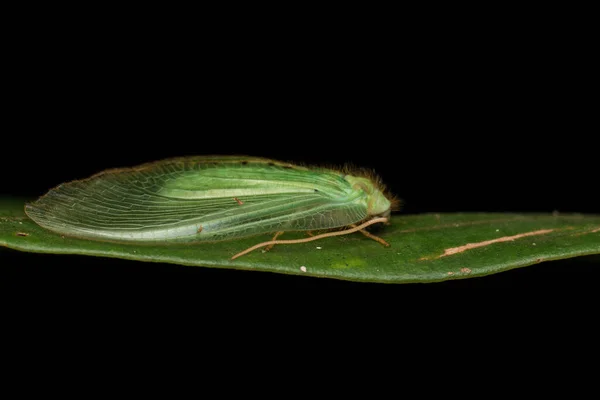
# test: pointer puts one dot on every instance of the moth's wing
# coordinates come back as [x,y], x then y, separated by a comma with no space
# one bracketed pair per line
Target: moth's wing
[197,199]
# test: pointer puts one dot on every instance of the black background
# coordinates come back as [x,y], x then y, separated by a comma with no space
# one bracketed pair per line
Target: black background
[452,118]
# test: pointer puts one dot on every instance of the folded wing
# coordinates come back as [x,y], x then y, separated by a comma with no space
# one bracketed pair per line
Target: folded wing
[196,199]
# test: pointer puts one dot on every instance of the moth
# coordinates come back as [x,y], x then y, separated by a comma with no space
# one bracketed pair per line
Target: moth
[214,198]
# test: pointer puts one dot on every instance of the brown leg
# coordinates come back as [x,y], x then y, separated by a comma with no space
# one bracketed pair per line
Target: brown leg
[371,236]
[269,247]
[310,239]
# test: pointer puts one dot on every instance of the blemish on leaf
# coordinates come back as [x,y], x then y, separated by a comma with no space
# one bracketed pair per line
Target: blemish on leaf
[450,273]
[469,246]
[199,229]
[238,201]
[21,234]
[465,270]
[303,268]
[587,232]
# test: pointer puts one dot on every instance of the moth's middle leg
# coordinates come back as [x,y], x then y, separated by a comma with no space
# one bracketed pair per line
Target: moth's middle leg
[269,247]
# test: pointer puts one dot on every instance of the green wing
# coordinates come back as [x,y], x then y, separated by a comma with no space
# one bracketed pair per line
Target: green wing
[200,198]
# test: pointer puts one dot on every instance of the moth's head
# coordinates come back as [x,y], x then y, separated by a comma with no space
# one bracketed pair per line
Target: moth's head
[378,204]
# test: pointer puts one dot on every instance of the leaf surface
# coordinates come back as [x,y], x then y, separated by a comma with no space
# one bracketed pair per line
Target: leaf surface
[424,248]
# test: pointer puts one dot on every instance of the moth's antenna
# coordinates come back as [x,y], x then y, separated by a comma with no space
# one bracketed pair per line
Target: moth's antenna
[310,239]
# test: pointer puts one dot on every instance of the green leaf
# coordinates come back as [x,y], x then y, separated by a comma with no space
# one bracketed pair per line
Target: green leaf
[424,248]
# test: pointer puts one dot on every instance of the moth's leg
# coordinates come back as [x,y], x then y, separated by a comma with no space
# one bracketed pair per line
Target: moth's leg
[324,235]
[371,236]
[269,247]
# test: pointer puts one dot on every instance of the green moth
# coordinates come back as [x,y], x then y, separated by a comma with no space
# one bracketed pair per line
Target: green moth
[211,198]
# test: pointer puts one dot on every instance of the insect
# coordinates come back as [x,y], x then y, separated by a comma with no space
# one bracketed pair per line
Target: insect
[213,198]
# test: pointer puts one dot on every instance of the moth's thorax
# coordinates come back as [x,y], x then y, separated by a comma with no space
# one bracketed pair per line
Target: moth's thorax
[377,203]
